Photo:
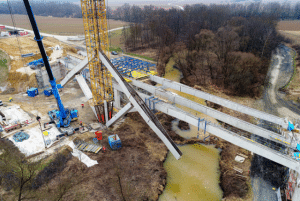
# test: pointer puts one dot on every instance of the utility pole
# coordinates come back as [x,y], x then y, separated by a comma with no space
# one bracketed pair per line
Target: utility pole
[38,118]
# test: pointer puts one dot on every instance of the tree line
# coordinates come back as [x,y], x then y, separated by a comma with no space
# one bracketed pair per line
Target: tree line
[284,11]
[226,45]
[42,8]
[129,13]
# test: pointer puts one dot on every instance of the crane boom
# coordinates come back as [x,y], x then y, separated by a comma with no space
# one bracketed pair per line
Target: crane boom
[63,116]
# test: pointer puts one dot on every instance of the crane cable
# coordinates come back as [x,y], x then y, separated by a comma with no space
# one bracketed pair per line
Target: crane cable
[20,49]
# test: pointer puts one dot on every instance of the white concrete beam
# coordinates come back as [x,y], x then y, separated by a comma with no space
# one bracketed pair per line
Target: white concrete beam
[144,112]
[85,88]
[120,114]
[229,136]
[74,71]
[238,123]
[105,110]
[215,99]
[117,98]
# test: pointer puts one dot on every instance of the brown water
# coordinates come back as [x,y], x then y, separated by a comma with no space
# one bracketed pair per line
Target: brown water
[195,176]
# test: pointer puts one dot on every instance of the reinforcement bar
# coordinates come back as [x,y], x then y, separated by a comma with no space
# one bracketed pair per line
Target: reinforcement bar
[215,99]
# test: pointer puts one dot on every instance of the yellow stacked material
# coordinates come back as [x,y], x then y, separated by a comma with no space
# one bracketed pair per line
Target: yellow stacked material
[152,73]
[138,75]
[127,80]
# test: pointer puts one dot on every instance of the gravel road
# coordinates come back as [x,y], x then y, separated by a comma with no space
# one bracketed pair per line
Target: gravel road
[265,173]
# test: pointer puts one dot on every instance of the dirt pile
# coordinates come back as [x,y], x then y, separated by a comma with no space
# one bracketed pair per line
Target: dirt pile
[233,183]
[20,81]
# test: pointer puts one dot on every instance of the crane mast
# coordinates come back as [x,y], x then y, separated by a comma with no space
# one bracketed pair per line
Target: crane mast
[96,37]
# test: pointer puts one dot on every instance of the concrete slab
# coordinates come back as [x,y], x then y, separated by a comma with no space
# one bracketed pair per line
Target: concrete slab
[35,143]
[15,113]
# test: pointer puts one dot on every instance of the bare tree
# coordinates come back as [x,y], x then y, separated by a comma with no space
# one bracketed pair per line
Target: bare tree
[21,172]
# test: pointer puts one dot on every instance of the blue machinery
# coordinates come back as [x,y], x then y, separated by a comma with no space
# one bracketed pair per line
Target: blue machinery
[36,63]
[127,64]
[63,116]
[154,101]
[199,120]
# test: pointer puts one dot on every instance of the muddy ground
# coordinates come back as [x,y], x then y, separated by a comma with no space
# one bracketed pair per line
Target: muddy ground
[137,168]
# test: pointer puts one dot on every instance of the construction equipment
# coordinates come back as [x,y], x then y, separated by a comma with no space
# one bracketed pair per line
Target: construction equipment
[36,63]
[27,55]
[90,147]
[102,70]
[96,36]
[20,136]
[62,116]
[48,91]
[32,92]
[114,142]
[2,116]
[13,127]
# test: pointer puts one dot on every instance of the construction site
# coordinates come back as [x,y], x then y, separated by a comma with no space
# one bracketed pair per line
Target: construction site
[90,124]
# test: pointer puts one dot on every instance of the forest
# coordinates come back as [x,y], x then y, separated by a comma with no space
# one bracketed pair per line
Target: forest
[226,45]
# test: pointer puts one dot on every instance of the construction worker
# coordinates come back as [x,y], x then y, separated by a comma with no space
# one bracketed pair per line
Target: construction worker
[80,123]
[10,99]
[82,105]
[103,149]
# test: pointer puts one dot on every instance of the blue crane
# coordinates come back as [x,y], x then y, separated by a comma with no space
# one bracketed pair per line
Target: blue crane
[63,116]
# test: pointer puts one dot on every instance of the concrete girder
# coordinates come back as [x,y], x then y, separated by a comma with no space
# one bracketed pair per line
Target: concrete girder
[120,114]
[74,71]
[226,135]
[139,105]
[221,101]
[238,123]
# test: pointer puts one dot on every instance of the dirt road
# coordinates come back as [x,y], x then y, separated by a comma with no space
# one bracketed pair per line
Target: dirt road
[267,174]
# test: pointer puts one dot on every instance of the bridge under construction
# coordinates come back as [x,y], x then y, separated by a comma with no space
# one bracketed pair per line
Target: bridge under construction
[158,98]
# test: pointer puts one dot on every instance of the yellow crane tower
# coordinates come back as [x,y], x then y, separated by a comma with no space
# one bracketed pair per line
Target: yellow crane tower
[96,37]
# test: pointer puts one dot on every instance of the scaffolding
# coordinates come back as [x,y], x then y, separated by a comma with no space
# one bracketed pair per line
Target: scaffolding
[96,37]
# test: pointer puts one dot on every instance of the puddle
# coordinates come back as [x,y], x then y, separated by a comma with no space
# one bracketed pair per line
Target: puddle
[195,176]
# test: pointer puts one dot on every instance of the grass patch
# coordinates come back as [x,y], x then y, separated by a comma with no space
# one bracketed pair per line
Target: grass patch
[140,56]
[116,33]
[116,49]
[4,63]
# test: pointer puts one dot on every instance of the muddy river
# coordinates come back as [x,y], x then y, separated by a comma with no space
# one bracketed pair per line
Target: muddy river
[195,176]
